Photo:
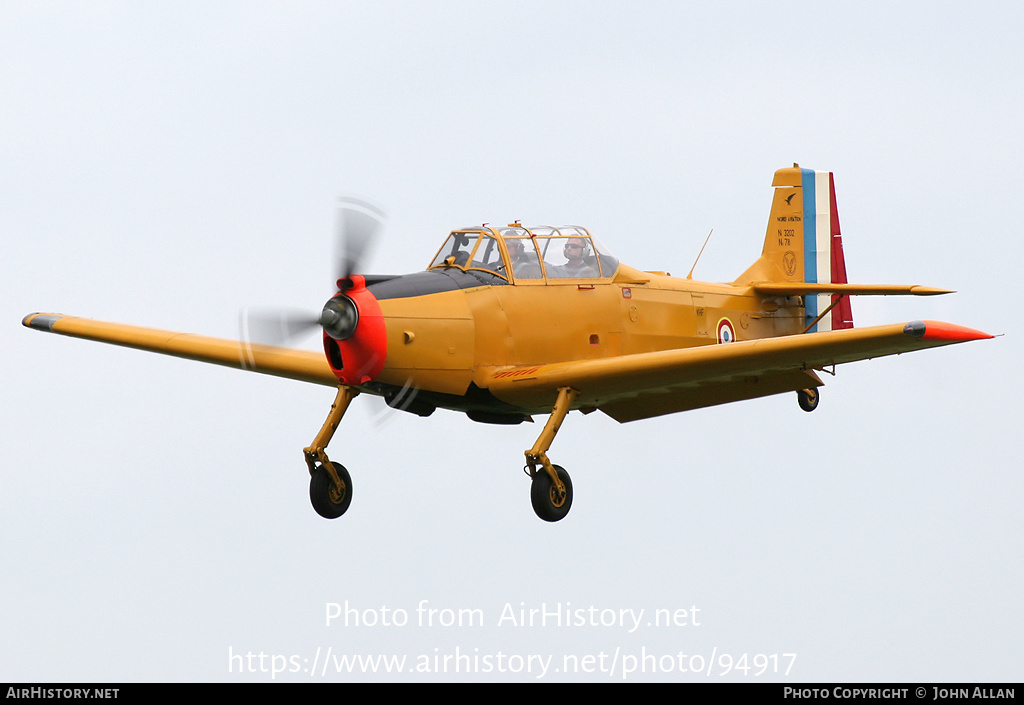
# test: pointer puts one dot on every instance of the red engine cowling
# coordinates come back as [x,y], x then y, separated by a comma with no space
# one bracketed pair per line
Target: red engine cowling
[359,358]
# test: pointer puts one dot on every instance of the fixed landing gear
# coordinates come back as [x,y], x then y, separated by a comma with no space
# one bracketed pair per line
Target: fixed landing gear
[330,485]
[330,495]
[550,501]
[551,489]
[808,399]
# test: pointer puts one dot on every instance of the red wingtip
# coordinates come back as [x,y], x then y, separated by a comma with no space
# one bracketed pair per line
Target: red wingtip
[950,332]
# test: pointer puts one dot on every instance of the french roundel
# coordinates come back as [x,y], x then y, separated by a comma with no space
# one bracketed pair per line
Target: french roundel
[726,333]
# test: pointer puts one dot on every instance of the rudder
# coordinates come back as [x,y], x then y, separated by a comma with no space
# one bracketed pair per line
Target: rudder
[803,243]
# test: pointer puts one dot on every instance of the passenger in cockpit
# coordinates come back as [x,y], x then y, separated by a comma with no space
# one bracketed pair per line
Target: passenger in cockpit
[576,249]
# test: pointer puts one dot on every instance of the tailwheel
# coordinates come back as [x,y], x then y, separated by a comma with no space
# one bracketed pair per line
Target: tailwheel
[549,502]
[329,500]
[808,399]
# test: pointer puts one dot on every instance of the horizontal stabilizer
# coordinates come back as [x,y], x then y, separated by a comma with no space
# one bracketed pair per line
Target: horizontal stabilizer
[804,289]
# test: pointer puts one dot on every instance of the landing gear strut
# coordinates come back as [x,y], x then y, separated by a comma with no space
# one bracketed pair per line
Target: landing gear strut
[551,490]
[330,486]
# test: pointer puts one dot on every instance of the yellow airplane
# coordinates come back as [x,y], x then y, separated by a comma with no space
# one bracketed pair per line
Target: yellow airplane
[511,322]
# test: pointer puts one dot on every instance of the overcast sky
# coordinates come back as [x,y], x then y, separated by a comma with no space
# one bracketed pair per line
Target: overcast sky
[170,164]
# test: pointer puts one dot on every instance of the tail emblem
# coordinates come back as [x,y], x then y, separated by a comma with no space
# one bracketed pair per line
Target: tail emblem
[789,262]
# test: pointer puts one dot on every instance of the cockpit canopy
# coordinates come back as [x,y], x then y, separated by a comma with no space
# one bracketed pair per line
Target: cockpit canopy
[518,253]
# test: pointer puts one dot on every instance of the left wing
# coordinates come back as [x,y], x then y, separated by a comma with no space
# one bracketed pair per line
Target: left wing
[631,387]
[302,365]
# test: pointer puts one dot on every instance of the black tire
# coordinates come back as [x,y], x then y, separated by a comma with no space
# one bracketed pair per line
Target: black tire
[808,399]
[321,492]
[546,503]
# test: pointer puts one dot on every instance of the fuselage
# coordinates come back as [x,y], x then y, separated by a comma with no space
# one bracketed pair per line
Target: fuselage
[452,328]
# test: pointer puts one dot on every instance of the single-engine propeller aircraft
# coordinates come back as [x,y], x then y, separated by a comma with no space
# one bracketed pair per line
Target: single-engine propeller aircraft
[511,322]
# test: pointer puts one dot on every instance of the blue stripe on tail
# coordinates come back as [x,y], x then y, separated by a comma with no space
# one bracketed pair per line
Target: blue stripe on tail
[810,245]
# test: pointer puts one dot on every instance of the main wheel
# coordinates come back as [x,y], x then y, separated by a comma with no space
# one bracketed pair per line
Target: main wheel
[548,502]
[326,499]
[808,399]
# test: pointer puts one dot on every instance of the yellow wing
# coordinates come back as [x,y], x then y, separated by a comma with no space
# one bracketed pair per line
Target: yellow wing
[302,365]
[650,384]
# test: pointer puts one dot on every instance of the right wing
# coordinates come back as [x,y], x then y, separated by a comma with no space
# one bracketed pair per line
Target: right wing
[630,387]
[302,365]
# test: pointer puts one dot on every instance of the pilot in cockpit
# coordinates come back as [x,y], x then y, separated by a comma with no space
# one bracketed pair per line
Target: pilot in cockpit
[515,250]
[524,263]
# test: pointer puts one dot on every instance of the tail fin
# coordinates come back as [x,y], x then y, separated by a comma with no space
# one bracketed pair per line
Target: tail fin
[803,243]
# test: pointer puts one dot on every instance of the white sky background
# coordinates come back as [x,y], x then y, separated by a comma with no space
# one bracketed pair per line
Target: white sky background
[169,164]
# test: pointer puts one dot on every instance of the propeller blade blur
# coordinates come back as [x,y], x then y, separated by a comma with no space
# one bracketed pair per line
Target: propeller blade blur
[358,225]
[275,327]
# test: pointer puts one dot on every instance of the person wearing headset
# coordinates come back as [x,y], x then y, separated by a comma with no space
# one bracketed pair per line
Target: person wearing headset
[575,251]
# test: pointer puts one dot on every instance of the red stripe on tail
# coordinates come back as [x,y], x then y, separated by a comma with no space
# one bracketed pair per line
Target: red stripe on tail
[842,314]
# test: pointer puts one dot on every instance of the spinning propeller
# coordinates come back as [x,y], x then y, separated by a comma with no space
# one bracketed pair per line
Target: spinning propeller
[357,227]
[355,339]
